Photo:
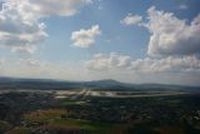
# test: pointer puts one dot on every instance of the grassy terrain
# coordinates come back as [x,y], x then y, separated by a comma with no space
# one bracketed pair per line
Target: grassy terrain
[41,113]
[85,126]
[4,126]
[19,130]
[44,116]
[56,118]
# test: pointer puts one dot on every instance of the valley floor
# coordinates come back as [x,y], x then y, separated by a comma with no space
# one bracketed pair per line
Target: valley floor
[89,111]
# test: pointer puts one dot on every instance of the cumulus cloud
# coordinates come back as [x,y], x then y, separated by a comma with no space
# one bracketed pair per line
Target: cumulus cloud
[102,62]
[171,35]
[84,38]
[131,19]
[21,28]
[44,8]
[169,64]
[113,60]
[173,49]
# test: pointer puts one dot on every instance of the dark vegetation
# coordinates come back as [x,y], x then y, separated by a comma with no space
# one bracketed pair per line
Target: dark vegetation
[40,113]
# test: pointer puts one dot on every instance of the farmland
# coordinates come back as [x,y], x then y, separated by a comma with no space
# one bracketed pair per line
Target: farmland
[99,111]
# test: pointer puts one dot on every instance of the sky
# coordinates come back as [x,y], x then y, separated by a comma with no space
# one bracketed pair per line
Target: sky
[146,41]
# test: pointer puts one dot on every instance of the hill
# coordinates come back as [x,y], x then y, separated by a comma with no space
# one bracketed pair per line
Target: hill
[108,84]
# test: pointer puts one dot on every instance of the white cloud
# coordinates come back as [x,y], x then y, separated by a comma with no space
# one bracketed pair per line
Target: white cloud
[113,61]
[31,62]
[171,35]
[173,52]
[53,7]
[169,64]
[174,44]
[104,62]
[19,30]
[24,49]
[84,38]
[131,19]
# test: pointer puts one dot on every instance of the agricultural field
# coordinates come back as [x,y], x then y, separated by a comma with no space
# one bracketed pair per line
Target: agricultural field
[87,111]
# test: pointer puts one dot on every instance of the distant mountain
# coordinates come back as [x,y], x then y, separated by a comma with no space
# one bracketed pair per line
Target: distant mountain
[7,82]
[108,84]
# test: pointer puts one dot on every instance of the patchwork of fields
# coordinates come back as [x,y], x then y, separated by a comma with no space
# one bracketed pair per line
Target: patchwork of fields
[87,111]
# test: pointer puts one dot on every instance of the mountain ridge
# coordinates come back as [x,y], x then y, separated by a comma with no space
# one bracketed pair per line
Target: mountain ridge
[34,83]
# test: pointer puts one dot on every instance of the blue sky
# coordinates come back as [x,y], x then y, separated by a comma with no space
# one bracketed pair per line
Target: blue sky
[116,37]
[91,39]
